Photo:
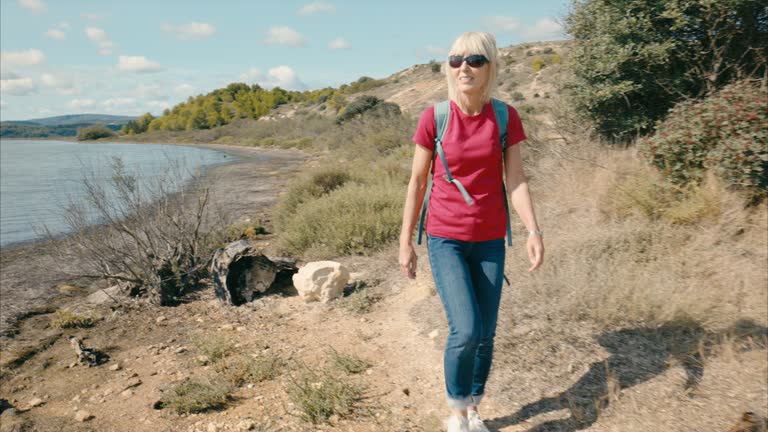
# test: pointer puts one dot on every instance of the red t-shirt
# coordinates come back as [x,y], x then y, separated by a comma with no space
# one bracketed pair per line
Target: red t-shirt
[473,151]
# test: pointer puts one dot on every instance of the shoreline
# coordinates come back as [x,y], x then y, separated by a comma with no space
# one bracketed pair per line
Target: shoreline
[247,185]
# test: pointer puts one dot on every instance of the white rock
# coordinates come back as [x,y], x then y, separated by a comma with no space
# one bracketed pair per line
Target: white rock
[321,281]
[106,295]
[82,416]
[36,402]
[434,333]
[115,367]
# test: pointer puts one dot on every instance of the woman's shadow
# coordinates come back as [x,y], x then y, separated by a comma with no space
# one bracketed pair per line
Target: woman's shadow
[637,355]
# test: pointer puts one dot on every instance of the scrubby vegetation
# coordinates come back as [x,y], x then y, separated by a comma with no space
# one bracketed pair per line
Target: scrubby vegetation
[632,61]
[94,132]
[727,132]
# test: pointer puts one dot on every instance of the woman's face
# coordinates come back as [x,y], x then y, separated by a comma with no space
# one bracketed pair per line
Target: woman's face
[471,81]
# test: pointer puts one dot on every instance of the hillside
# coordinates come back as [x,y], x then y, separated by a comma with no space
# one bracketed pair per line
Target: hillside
[649,314]
[59,126]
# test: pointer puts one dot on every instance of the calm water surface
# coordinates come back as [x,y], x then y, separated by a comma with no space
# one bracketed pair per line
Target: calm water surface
[37,177]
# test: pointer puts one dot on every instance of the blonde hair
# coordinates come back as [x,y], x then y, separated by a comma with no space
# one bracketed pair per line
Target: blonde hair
[474,43]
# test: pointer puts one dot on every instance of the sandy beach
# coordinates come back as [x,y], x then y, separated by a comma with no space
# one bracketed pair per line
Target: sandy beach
[246,187]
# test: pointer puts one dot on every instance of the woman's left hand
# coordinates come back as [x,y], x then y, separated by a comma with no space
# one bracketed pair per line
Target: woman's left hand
[535,249]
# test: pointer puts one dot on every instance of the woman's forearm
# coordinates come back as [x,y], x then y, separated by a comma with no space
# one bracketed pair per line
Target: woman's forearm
[414,198]
[520,197]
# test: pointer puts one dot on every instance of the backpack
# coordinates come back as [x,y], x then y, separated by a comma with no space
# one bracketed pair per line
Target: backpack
[442,111]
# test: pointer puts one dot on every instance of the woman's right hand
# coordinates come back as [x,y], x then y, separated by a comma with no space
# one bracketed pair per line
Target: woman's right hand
[407,260]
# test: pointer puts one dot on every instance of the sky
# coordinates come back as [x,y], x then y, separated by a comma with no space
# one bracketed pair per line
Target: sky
[127,58]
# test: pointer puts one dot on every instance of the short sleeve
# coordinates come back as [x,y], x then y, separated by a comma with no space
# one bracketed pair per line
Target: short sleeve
[425,131]
[515,132]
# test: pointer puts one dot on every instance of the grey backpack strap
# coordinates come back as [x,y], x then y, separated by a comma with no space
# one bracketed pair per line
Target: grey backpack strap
[502,120]
[442,111]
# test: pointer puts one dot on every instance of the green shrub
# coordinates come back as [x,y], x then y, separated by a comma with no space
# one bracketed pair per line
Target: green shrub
[355,219]
[94,132]
[517,96]
[318,395]
[727,132]
[538,64]
[369,105]
[347,363]
[63,319]
[197,396]
[434,66]
[241,369]
[309,187]
[214,347]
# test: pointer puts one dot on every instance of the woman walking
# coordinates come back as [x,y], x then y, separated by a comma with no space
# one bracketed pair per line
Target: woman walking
[478,164]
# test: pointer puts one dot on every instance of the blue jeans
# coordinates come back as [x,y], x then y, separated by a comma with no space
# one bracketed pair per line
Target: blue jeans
[468,277]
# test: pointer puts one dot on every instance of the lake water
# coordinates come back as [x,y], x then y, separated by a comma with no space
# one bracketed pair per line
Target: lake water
[37,177]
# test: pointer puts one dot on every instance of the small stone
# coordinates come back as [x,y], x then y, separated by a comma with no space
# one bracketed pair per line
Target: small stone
[241,329]
[212,427]
[227,327]
[246,425]
[127,393]
[180,350]
[83,416]
[160,319]
[434,333]
[133,382]
[36,402]
[115,367]
[406,392]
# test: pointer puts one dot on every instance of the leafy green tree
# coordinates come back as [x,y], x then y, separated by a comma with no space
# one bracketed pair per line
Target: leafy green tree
[634,59]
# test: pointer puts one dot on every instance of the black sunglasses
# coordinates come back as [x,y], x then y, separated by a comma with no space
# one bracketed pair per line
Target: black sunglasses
[475,60]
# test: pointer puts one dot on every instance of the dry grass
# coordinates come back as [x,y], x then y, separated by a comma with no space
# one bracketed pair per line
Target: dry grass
[347,363]
[626,249]
[214,347]
[241,369]
[319,394]
[64,319]
[198,396]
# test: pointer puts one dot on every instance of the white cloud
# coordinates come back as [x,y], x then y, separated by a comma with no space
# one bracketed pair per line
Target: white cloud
[58,32]
[62,84]
[33,5]
[149,91]
[123,103]
[284,36]
[280,76]
[545,29]
[502,24]
[157,105]
[338,44]
[315,7]
[192,30]
[55,34]
[21,58]
[102,40]
[81,103]
[184,90]
[139,64]
[17,86]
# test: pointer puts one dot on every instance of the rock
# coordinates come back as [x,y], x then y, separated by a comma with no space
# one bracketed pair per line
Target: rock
[133,382]
[83,416]
[115,367]
[212,427]
[113,294]
[36,402]
[180,350]
[246,425]
[227,327]
[240,272]
[127,393]
[434,333]
[321,281]
[160,319]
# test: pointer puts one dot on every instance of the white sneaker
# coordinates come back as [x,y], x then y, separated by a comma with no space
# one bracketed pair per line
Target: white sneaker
[458,424]
[475,422]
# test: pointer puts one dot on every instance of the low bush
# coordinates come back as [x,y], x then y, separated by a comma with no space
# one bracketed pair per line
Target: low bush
[241,369]
[727,132]
[309,187]
[355,219]
[197,396]
[214,347]
[347,363]
[368,105]
[94,132]
[319,395]
[63,319]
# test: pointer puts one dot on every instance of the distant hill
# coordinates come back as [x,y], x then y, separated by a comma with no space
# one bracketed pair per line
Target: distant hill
[59,126]
[72,119]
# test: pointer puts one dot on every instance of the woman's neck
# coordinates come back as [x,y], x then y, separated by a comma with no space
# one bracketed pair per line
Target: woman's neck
[470,105]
